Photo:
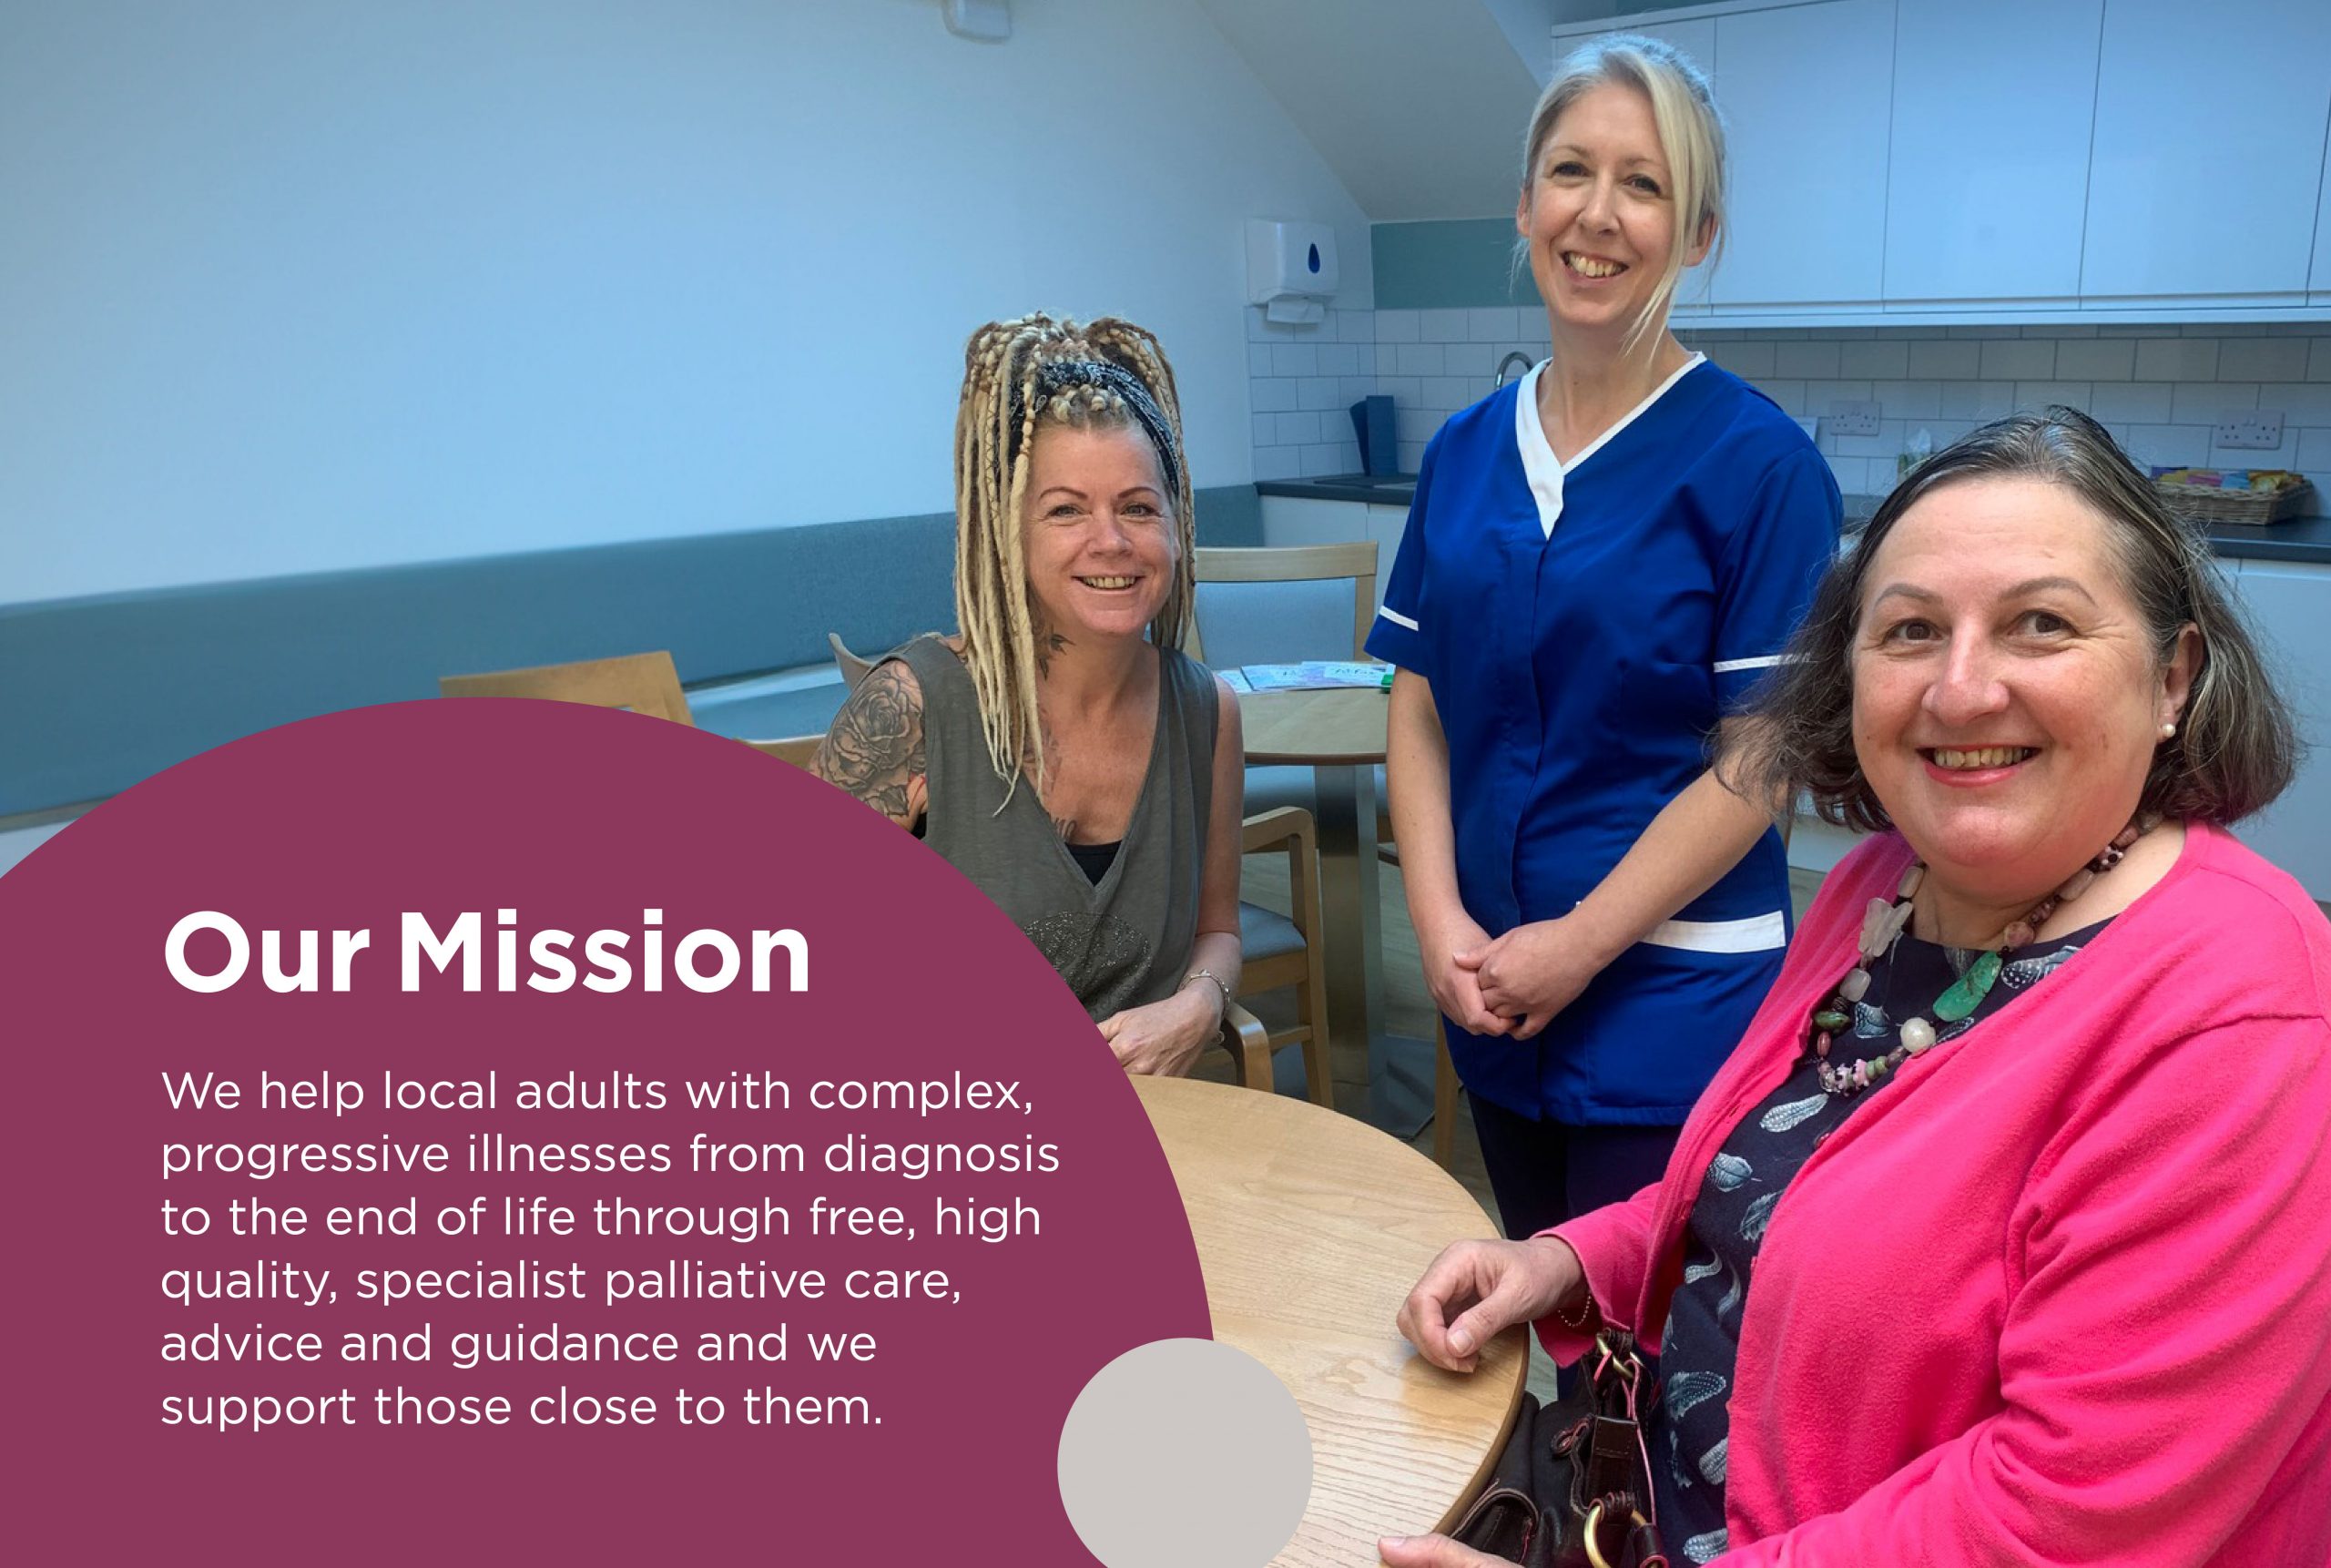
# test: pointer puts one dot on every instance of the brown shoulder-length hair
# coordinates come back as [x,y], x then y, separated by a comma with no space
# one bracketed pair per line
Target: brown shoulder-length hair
[2235,748]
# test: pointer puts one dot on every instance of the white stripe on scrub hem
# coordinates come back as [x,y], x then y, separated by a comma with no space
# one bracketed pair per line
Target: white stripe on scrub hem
[1757,934]
[1726,666]
[1540,465]
[1397,618]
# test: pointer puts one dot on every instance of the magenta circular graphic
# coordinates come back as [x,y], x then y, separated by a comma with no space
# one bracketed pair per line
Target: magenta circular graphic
[470,1131]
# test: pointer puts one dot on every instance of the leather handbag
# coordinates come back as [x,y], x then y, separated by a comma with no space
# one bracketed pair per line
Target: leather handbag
[1573,1488]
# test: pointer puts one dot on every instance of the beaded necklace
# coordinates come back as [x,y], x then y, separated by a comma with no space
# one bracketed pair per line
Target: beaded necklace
[1882,922]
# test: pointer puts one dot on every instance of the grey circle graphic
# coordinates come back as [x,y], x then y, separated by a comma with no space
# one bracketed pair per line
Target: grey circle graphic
[1182,1452]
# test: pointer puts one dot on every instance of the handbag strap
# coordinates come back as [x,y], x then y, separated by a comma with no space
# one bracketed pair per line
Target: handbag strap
[1619,1452]
[1617,1381]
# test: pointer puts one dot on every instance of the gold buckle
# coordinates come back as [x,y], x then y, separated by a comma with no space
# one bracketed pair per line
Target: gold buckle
[1593,1522]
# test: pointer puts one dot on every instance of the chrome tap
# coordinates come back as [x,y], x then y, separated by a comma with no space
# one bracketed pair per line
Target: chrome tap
[1505,366]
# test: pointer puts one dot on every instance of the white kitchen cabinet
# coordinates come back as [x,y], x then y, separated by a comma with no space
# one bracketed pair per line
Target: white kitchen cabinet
[1808,92]
[1939,162]
[2208,160]
[1987,178]
[2287,602]
[1385,525]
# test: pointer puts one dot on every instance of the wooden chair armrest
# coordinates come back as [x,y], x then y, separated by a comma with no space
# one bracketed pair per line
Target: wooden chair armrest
[1282,825]
[1290,829]
[1249,1045]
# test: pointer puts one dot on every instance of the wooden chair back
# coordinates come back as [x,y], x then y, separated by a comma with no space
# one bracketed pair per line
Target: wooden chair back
[639,683]
[1295,564]
[853,666]
[796,748]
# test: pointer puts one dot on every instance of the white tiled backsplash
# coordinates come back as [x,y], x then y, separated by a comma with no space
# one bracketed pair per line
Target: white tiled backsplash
[2160,390]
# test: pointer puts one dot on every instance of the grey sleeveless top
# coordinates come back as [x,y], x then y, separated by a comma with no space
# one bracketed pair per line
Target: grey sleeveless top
[1121,942]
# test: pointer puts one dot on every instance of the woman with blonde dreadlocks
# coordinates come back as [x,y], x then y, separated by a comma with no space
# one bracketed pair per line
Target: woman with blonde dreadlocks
[1061,750]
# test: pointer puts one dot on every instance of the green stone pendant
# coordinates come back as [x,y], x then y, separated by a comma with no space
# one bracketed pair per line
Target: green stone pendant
[1830,1019]
[1966,996]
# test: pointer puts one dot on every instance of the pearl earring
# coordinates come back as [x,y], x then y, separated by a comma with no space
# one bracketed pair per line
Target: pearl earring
[2169,732]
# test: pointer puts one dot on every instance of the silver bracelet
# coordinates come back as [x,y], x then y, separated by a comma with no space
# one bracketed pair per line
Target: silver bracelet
[1209,975]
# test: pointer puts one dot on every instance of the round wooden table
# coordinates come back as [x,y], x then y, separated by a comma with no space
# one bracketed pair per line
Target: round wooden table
[1339,734]
[1315,728]
[1311,1228]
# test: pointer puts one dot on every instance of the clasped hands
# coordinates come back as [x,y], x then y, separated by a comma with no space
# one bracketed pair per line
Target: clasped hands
[1512,984]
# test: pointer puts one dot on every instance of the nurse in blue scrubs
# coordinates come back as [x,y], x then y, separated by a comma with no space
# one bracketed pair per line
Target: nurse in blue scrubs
[1602,561]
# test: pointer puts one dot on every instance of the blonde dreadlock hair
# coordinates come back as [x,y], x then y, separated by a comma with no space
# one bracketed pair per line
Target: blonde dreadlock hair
[1017,376]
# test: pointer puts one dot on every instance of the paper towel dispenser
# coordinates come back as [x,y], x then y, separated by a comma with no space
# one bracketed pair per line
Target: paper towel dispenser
[1290,268]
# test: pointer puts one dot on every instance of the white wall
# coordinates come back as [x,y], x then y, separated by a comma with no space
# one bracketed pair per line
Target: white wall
[292,286]
[1416,105]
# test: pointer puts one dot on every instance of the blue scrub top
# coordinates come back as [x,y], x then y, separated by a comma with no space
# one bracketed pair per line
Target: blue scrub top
[1583,627]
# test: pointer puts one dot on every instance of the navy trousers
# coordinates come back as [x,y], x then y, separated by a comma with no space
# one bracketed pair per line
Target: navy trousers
[1543,1173]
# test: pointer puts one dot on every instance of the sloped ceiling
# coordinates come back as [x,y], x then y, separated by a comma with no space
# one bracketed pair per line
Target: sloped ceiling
[1418,106]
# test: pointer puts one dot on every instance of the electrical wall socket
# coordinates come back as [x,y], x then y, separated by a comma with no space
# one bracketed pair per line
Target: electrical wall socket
[1853,418]
[2249,429]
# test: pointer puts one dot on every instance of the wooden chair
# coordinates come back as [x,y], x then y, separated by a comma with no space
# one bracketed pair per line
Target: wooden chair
[1278,788]
[1295,564]
[1281,951]
[798,749]
[1299,564]
[637,683]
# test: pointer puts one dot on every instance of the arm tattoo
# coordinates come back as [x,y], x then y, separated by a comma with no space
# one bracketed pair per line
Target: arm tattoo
[875,748]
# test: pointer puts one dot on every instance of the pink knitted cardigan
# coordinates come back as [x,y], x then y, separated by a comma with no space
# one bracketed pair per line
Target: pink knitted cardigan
[2061,1292]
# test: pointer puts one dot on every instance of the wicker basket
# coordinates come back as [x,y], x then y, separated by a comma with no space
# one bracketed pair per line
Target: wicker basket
[2204,503]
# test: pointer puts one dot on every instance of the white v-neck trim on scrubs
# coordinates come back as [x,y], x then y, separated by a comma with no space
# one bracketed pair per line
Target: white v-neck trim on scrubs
[1540,466]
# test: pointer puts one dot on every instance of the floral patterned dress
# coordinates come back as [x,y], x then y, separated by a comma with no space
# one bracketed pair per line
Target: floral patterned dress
[1747,1181]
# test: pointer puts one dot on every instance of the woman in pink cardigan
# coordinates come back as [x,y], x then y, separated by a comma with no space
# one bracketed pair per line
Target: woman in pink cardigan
[2005,1235]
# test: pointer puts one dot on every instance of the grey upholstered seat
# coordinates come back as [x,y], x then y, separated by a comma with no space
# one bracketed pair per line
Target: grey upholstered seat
[1264,933]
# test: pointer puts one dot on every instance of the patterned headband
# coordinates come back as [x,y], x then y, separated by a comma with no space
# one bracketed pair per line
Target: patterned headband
[1060,374]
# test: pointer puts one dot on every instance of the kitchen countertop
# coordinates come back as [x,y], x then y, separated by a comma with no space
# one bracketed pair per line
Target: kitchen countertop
[1376,489]
[2306,539]
[2302,539]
